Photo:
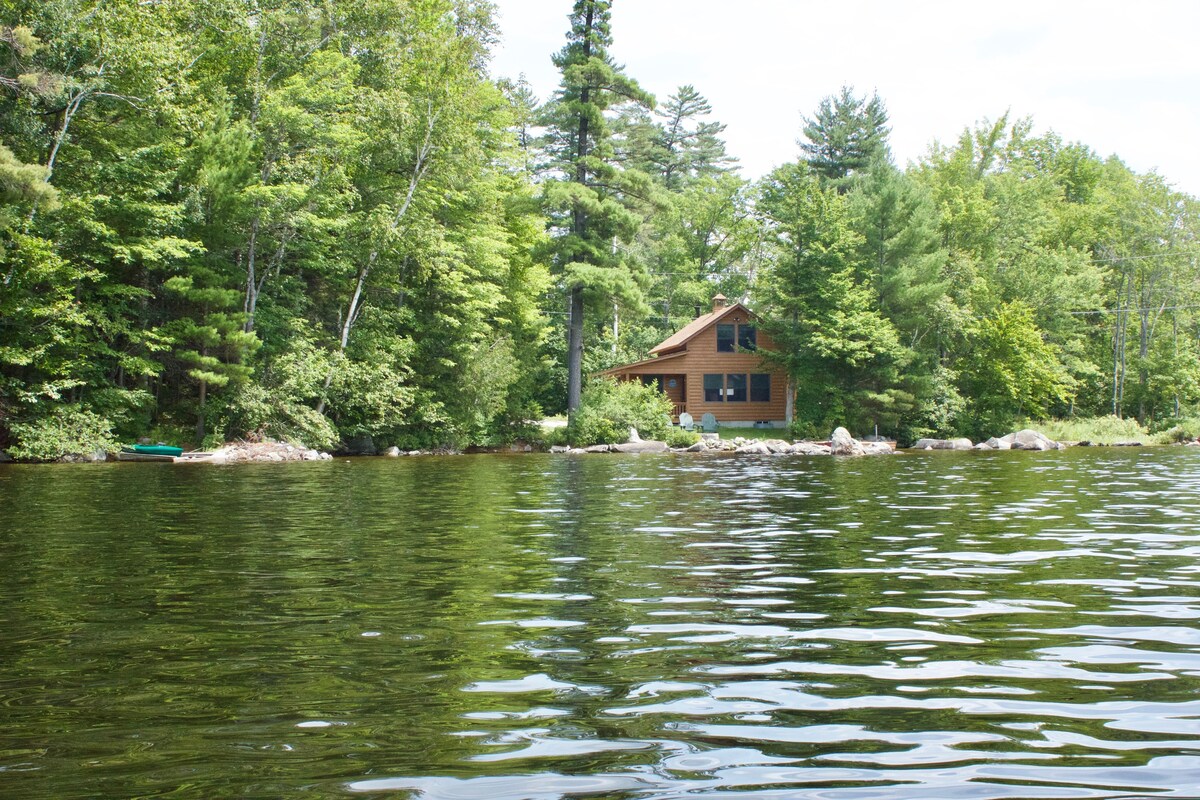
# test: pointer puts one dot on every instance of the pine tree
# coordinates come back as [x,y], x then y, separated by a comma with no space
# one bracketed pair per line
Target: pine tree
[845,136]
[591,203]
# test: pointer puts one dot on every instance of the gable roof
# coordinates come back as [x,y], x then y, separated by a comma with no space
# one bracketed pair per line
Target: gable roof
[685,334]
[642,363]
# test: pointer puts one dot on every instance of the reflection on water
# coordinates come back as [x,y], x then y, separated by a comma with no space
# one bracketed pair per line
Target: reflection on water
[1002,625]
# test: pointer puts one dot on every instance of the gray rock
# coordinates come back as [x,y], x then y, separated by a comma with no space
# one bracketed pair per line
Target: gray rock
[754,449]
[94,457]
[810,449]
[998,444]
[841,443]
[5,457]
[641,447]
[1127,444]
[1030,440]
[392,452]
[710,437]
[633,435]
[877,449]
[558,448]
[944,444]
[698,447]
[778,446]
[597,448]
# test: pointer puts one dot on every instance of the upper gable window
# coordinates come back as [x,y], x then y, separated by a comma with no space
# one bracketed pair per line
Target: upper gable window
[732,338]
[725,338]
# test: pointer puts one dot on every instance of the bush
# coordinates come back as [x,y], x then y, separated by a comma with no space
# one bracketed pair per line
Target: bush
[67,430]
[608,409]
[1180,430]
[678,437]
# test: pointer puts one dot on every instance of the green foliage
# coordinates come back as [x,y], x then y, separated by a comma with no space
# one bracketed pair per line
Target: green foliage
[678,437]
[1181,430]
[1097,430]
[610,408]
[845,136]
[66,430]
[1010,371]
[839,350]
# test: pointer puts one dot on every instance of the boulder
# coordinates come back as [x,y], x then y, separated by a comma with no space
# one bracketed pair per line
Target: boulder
[754,449]
[598,448]
[1029,440]
[698,447]
[558,448]
[633,435]
[841,443]
[997,444]
[778,446]
[392,452]
[810,449]
[944,444]
[641,447]
[94,457]
[877,449]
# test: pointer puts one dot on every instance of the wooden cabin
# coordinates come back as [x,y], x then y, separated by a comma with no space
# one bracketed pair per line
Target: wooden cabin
[711,365]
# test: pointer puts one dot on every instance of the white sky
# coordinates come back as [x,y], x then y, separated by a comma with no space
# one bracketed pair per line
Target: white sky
[1120,77]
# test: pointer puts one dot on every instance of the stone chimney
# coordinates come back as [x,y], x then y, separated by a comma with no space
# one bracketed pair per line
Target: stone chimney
[720,301]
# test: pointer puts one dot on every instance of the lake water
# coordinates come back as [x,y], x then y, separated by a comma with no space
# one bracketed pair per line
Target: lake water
[942,625]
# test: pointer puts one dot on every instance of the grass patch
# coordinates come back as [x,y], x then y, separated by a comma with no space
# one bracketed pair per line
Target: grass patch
[1097,430]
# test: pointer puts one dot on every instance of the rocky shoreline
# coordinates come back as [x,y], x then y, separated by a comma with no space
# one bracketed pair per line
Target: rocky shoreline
[840,443]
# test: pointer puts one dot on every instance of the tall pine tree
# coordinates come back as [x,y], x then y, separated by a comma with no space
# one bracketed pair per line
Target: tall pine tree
[590,204]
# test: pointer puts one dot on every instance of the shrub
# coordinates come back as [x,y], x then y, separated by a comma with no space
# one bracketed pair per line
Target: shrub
[67,430]
[608,409]
[678,437]
[1180,430]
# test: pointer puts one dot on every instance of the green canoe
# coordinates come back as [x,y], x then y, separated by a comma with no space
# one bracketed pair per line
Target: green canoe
[153,449]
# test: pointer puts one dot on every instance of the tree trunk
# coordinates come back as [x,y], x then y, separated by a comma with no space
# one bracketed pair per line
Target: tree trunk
[200,413]
[575,350]
[579,228]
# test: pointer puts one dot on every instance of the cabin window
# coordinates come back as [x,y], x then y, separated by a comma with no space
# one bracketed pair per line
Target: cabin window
[760,388]
[747,337]
[735,388]
[725,338]
[714,388]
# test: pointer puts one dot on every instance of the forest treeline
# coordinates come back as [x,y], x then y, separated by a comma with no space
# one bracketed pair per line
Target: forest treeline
[324,219]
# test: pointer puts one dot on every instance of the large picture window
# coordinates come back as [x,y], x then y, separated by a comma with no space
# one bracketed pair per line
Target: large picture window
[760,388]
[735,388]
[714,388]
[725,338]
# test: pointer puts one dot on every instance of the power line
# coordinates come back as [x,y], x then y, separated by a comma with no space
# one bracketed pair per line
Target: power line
[1131,310]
